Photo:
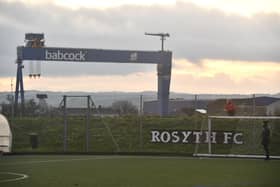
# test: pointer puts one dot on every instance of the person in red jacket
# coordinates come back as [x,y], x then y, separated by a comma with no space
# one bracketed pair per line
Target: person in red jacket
[230,108]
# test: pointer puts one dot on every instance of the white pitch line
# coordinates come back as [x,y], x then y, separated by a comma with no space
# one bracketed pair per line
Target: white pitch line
[50,161]
[94,158]
[106,157]
[21,177]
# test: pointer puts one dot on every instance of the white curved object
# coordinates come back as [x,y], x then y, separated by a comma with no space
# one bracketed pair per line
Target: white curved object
[5,135]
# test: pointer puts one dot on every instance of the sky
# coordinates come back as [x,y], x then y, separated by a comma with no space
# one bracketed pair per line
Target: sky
[218,46]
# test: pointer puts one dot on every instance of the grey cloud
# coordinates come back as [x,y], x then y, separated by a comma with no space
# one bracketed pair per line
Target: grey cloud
[196,34]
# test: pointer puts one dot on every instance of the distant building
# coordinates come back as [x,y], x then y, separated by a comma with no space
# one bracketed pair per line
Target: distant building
[176,106]
[273,109]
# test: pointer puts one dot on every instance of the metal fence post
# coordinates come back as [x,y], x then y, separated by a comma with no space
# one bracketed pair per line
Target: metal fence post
[209,136]
[65,124]
[87,123]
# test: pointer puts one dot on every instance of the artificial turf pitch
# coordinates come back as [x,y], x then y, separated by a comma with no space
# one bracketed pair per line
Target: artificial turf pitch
[137,171]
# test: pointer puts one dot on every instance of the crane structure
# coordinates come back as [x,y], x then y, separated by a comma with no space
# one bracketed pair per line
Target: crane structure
[36,51]
[162,37]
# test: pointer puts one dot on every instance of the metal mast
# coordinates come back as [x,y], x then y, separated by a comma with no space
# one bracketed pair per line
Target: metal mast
[162,37]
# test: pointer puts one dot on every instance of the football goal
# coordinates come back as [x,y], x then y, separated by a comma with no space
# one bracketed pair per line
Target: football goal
[238,136]
[77,106]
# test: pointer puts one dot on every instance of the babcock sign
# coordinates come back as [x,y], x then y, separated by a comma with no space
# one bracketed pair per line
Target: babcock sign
[65,56]
[196,137]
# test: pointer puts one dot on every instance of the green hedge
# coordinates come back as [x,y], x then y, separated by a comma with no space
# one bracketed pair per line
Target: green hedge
[126,131]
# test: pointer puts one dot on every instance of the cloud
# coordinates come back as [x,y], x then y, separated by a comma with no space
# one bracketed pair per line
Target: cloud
[242,7]
[209,76]
[196,34]
[220,76]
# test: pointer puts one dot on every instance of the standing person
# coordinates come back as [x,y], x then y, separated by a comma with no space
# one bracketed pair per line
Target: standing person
[266,139]
[230,108]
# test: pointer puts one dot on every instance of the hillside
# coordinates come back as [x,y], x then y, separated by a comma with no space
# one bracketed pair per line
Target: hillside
[107,98]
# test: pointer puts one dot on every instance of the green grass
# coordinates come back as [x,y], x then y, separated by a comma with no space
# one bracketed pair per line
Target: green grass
[125,171]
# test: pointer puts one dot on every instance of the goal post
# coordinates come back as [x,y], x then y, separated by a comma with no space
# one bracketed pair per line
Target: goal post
[238,136]
[77,106]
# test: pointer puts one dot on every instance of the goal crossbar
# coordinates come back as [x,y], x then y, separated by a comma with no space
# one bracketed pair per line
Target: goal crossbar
[210,154]
[233,156]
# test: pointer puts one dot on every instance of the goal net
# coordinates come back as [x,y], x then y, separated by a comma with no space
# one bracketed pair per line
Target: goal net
[237,136]
[77,106]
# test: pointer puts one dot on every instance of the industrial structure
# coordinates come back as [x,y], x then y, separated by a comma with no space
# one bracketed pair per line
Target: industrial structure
[35,50]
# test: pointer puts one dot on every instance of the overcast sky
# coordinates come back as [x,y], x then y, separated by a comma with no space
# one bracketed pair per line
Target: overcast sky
[218,46]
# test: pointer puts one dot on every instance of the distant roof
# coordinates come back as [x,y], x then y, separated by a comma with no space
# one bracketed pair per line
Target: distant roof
[42,96]
[262,101]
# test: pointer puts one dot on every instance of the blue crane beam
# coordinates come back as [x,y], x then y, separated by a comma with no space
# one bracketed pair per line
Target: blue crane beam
[91,55]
